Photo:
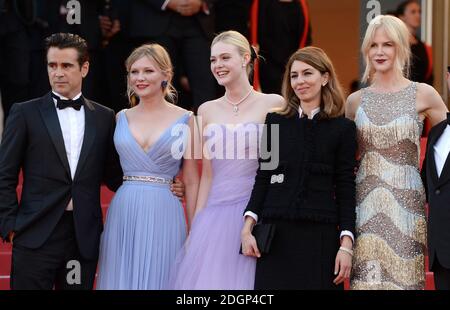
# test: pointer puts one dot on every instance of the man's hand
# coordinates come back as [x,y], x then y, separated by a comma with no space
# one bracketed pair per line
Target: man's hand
[11,237]
[185,7]
[178,189]
[108,27]
[174,4]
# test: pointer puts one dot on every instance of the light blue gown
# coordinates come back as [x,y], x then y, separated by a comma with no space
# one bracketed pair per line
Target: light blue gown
[145,225]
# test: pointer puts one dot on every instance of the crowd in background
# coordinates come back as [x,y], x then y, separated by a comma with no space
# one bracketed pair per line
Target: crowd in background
[113,28]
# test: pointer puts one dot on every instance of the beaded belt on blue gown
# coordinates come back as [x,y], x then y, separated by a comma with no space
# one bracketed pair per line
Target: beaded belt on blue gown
[147,178]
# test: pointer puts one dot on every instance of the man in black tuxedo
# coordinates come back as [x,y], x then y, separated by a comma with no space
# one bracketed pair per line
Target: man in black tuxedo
[63,143]
[436,177]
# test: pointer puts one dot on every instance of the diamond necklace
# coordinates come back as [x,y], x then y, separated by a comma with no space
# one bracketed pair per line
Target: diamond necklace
[236,104]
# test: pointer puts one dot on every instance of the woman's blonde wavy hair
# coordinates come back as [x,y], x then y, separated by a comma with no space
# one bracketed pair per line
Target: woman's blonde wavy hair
[162,59]
[397,31]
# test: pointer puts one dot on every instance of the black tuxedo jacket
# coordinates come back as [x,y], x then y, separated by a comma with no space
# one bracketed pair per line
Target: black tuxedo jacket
[33,141]
[438,197]
[315,177]
[148,20]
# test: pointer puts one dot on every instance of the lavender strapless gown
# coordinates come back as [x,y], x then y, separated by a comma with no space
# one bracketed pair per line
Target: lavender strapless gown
[210,257]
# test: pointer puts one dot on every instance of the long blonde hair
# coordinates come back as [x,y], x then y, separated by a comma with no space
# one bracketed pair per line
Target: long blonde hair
[332,97]
[397,31]
[162,59]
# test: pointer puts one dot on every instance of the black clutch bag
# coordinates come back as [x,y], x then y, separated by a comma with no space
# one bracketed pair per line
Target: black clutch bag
[263,234]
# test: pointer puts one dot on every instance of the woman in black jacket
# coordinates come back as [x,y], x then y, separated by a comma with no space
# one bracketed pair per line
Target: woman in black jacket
[310,196]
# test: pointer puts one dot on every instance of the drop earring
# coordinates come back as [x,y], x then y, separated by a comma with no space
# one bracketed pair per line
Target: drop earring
[164,84]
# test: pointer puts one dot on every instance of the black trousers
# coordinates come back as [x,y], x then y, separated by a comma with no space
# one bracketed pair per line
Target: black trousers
[57,264]
[441,276]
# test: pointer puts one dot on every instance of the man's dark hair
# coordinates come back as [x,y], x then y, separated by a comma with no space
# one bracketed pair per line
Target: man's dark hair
[68,40]
[402,7]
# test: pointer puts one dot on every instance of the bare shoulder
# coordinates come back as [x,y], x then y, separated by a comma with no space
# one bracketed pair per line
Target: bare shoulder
[130,110]
[207,107]
[425,90]
[354,98]
[352,104]
[207,110]
[121,111]
[178,111]
[430,104]
[428,97]
[271,100]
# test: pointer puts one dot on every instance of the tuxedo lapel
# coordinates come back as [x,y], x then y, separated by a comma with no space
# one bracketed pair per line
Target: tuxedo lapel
[89,135]
[430,152]
[50,117]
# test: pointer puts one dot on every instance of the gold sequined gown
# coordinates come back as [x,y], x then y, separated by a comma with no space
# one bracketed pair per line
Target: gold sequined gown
[390,215]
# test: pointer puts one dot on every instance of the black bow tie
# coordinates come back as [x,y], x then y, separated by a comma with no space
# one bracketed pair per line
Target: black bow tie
[68,103]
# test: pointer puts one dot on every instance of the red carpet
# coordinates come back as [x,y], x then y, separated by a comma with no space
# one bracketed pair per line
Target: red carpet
[106,195]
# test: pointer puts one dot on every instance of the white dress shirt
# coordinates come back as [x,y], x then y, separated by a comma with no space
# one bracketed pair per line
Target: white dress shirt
[72,126]
[255,216]
[441,150]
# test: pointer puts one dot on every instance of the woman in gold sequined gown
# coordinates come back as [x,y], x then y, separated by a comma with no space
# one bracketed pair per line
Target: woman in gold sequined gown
[390,215]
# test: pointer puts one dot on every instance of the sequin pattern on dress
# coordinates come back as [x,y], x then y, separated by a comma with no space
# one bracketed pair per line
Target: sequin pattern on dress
[390,215]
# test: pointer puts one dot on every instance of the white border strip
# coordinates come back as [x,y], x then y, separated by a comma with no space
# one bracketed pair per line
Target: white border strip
[445,52]
[427,21]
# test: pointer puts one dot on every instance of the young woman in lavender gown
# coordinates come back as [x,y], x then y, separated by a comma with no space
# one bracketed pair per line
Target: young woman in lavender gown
[231,125]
